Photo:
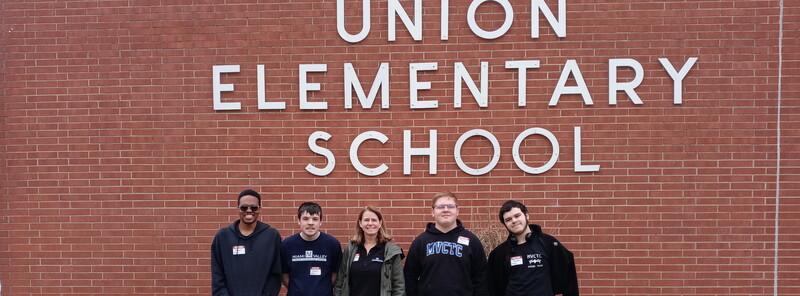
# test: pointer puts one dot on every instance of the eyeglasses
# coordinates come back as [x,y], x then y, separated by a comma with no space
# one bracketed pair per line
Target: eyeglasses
[252,208]
[444,206]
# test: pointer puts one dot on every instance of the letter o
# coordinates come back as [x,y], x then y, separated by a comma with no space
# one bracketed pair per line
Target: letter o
[535,131]
[509,11]
[495,153]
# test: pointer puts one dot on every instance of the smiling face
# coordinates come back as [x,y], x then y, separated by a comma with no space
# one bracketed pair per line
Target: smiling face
[248,216]
[370,224]
[309,225]
[515,221]
[445,213]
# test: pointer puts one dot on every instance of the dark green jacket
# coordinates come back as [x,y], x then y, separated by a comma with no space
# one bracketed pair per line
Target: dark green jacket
[393,282]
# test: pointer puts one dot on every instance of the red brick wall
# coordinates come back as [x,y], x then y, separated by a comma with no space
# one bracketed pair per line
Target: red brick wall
[117,170]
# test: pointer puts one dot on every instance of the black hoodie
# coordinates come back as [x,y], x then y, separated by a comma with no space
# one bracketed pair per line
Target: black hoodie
[563,276]
[451,263]
[246,265]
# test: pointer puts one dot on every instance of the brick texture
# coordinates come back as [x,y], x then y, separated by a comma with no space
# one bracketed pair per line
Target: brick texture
[117,171]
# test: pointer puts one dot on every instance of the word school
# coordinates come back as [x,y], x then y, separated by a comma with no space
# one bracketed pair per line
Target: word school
[432,152]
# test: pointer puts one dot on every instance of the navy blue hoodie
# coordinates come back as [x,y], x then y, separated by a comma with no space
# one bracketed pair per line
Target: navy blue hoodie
[246,265]
[452,263]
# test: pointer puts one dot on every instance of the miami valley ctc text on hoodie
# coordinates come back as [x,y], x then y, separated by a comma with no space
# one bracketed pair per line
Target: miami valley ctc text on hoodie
[451,263]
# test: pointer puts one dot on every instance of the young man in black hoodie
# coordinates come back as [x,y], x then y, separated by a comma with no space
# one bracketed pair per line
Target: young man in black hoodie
[446,259]
[530,262]
[245,256]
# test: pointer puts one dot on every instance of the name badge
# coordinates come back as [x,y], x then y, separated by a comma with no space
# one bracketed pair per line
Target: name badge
[238,250]
[316,270]
[463,240]
[516,260]
[356,257]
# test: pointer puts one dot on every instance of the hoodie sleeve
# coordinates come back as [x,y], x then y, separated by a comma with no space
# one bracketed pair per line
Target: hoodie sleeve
[218,283]
[413,268]
[336,253]
[572,282]
[497,277]
[478,269]
[273,285]
[563,275]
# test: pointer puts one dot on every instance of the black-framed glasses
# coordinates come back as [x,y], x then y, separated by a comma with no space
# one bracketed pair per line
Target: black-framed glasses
[252,208]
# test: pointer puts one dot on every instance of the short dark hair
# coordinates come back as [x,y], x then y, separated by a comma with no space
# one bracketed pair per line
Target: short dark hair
[507,206]
[311,208]
[250,192]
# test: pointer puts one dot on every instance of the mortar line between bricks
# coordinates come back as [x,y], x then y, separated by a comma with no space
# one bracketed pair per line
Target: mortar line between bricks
[778,148]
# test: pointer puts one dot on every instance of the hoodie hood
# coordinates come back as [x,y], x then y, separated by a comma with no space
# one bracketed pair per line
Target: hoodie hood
[431,228]
[535,229]
[260,227]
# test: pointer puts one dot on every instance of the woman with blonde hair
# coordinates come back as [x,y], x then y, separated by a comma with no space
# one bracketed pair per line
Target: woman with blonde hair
[371,262]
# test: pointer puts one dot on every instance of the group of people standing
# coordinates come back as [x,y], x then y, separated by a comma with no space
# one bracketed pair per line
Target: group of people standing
[249,258]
